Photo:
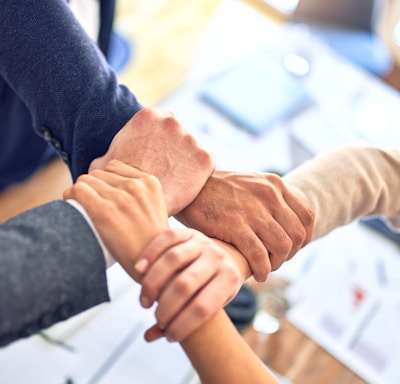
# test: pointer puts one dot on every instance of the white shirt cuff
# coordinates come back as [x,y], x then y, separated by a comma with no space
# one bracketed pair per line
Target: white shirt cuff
[107,255]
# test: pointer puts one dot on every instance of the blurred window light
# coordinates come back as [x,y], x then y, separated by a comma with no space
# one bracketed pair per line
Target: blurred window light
[396,33]
[284,6]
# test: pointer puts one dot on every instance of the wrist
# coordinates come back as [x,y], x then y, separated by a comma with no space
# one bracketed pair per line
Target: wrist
[240,260]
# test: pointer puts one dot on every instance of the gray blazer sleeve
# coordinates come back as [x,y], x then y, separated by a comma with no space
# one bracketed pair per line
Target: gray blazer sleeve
[51,268]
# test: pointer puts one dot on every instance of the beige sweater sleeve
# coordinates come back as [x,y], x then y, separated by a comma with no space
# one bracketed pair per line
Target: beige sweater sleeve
[347,183]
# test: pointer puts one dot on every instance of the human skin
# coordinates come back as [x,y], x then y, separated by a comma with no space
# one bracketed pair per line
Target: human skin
[268,229]
[216,349]
[191,277]
[125,232]
[220,355]
[155,142]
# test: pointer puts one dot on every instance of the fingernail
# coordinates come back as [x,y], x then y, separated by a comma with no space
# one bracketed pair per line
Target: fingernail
[144,300]
[171,339]
[141,265]
[161,326]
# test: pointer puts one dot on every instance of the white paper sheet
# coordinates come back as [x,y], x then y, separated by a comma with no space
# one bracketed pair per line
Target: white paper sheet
[105,347]
[346,297]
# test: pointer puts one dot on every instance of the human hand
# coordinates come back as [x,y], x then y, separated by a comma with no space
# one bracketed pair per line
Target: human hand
[155,142]
[256,213]
[191,278]
[126,207]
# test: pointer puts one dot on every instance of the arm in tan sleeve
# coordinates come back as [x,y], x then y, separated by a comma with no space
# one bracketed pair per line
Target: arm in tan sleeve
[347,183]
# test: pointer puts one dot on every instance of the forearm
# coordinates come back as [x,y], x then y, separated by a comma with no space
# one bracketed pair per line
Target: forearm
[51,269]
[63,78]
[348,183]
[220,355]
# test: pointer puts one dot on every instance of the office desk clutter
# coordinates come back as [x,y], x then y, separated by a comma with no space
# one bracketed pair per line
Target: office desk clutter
[347,105]
[346,297]
[101,346]
[350,29]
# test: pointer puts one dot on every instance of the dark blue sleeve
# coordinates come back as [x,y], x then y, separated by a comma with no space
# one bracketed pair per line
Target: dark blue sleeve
[63,78]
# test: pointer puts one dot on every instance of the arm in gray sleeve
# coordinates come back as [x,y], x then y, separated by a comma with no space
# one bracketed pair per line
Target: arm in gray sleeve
[51,268]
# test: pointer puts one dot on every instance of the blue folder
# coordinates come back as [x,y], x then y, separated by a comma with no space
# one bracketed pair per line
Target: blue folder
[256,93]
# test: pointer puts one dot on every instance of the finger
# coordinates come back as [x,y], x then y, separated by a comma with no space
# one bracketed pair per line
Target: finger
[101,182]
[116,180]
[88,197]
[256,253]
[120,190]
[83,192]
[203,306]
[276,239]
[158,246]
[122,169]
[67,193]
[286,232]
[154,333]
[182,289]
[161,273]
[303,212]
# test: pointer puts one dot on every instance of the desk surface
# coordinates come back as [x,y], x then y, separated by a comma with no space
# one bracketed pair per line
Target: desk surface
[183,24]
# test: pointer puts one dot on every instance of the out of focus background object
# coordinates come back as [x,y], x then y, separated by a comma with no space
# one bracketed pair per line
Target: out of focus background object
[348,27]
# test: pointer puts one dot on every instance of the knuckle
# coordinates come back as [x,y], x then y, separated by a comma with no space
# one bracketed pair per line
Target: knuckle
[175,257]
[175,236]
[183,284]
[120,198]
[172,125]
[152,181]
[275,179]
[201,309]
[234,277]
[205,159]
[273,196]
[299,236]
[286,245]
[111,165]
[78,185]
[83,178]
[144,112]
[246,242]
[309,217]
[130,184]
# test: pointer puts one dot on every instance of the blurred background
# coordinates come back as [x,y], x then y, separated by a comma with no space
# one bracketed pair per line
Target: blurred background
[341,61]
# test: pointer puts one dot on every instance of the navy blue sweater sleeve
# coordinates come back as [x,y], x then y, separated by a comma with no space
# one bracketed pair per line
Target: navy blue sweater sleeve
[63,78]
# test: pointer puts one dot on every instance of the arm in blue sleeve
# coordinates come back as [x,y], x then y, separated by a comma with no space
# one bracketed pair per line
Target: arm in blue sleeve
[61,75]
